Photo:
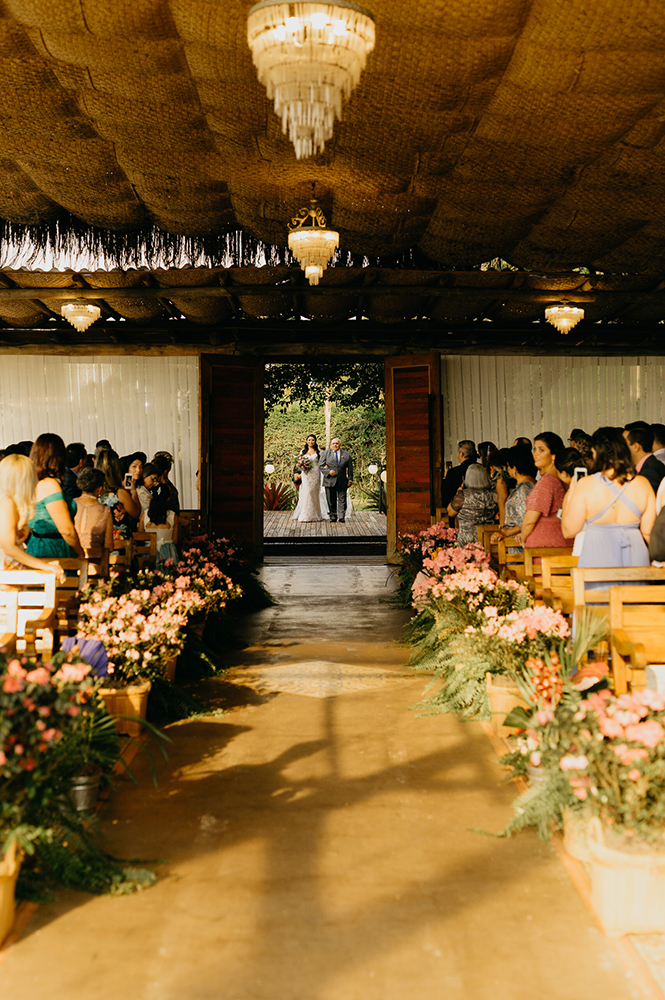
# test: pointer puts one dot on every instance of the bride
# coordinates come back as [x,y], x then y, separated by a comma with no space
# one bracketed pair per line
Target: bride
[309,499]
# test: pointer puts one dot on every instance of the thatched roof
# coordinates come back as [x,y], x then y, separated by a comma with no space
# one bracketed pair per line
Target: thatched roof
[531,131]
[272,310]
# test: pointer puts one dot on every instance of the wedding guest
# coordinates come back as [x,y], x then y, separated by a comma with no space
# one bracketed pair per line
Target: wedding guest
[146,484]
[485,451]
[123,507]
[75,457]
[131,467]
[615,507]
[164,523]
[163,463]
[466,456]
[639,438]
[473,504]
[52,525]
[523,472]
[658,441]
[568,461]
[500,480]
[582,444]
[101,446]
[541,527]
[93,520]
[18,483]
[522,442]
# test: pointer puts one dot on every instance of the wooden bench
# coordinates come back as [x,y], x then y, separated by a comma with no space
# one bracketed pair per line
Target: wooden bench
[533,570]
[557,582]
[144,549]
[485,532]
[121,555]
[98,563]
[511,562]
[33,603]
[599,598]
[637,633]
[68,595]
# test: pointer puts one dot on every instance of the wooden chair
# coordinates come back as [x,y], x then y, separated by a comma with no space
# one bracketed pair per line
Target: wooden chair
[68,595]
[35,609]
[8,618]
[98,563]
[144,549]
[557,583]
[600,598]
[637,633]
[511,562]
[190,523]
[121,556]
[533,567]
[485,532]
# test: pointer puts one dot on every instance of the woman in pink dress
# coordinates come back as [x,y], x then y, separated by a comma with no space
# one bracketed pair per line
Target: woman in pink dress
[541,527]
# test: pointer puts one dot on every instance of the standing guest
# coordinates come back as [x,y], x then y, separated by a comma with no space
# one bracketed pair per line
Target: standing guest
[500,481]
[125,511]
[575,435]
[582,444]
[485,451]
[523,471]
[131,467]
[522,442]
[93,520]
[473,504]
[146,484]
[466,456]
[615,507]
[658,441]
[75,459]
[639,438]
[102,445]
[163,521]
[568,461]
[18,483]
[163,463]
[52,524]
[541,527]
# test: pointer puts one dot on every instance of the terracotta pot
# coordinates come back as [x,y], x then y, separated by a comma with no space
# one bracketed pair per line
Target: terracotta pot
[9,869]
[503,697]
[131,700]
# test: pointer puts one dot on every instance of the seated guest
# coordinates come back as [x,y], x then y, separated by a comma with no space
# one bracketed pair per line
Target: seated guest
[93,520]
[146,484]
[616,508]
[52,525]
[18,483]
[523,472]
[164,522]
[163,462]
[639,437]
[473,504]
[466,456]
[541,527]
[658,441]
[125,510]
[75,460]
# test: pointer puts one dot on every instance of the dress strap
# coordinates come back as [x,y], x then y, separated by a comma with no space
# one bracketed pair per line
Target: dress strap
[618,495]
[53,496]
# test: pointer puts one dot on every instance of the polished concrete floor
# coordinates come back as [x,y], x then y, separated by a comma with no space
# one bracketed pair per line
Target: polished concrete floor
[319,842]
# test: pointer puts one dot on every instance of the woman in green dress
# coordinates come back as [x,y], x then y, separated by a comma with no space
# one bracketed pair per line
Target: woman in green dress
[53,534]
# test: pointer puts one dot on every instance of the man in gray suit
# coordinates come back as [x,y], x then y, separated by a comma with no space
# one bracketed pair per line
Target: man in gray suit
[337,471]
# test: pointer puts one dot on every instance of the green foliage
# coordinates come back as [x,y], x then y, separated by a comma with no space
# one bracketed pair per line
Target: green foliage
[311,383]
[279,496]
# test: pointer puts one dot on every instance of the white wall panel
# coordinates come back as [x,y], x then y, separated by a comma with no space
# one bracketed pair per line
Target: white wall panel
[501,397]
[138,403]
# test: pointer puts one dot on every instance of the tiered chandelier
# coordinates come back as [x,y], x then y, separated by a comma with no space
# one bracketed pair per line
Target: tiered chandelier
[564,317]
[311,242]
[309,57]
[80,314]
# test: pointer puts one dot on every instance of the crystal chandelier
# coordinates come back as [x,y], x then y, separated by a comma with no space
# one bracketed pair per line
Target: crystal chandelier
[311,242]
[80,314]
[564,317]
[309,57]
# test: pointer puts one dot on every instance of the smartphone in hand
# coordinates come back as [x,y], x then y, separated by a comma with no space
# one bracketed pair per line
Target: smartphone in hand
[128,481]
[579,472]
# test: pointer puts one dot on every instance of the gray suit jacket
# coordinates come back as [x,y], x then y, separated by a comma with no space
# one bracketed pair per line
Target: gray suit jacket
[343,472]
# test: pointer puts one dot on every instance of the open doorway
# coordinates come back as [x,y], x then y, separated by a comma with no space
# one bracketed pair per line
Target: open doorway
[327,400]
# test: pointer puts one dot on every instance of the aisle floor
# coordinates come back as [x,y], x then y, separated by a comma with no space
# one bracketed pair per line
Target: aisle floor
[319,841]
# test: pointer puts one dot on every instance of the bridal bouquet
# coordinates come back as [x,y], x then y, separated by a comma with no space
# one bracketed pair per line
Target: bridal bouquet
[305,464]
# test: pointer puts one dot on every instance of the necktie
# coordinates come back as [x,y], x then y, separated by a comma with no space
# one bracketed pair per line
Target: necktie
[338,458]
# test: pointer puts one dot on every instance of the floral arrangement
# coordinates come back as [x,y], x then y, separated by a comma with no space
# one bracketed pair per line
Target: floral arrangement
[444,561]
[39,706]
[304,463]
[413,549]
[196,571]
[536,624]
[138,633]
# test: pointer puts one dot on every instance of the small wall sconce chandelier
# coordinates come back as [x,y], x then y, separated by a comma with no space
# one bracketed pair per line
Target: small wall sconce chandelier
[564,317]
[269,467]
[309,57]
[80,314]
[311,242]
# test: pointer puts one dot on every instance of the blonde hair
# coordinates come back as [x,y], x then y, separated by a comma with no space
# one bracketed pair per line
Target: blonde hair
[18,481]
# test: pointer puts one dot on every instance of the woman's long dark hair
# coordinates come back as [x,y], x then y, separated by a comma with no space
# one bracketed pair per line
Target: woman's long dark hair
[305,448]
[49,456]
[552,440]
[612,452]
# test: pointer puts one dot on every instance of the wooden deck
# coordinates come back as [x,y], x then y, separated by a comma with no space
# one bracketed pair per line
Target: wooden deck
[364,525]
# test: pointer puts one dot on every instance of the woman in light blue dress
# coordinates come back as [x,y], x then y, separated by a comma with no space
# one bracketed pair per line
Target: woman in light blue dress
[615,507]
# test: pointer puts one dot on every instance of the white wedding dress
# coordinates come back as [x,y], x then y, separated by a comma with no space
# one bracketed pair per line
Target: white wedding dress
[311,496]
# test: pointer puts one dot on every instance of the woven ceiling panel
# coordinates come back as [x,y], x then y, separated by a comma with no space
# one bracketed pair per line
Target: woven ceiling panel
[531,130]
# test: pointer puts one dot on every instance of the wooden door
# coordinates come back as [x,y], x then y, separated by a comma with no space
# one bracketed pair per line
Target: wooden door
[413,443]
[232,448]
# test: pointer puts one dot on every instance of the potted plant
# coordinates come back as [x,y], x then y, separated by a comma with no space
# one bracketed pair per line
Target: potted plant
[413,549]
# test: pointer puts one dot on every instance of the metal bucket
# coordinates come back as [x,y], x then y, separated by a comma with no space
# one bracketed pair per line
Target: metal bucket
[84,792]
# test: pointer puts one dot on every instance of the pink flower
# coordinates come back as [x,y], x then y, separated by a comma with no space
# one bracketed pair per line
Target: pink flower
[633,774]
[73,710]
[14,669]
[72,672]
[572,763]
[649,733]
[535,758]
[609,727]
[543,716]
[581,793]
[11,685]
[18,748]
[3,758]
[44,710]
[39,676]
